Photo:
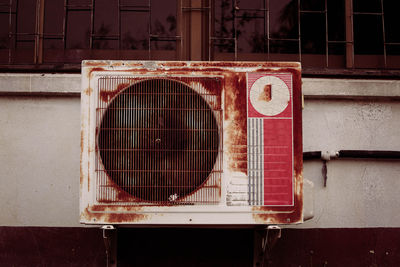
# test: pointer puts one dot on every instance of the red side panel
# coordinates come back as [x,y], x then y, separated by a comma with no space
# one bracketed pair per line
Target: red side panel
[270,113]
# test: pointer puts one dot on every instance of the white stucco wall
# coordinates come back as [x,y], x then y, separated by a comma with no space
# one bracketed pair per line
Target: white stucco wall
[40,147]
[359,193]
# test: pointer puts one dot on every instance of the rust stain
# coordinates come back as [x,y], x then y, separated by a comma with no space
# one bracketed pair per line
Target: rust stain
[266,94]
[125,218]
[279,70]
[215,186]
[104,214]
[297,120]
[123,195]
[239,157]
[81,172]
[236,113]
[88,178]
[127,63]
[97,69]
[236,64]
[95,64]
[93,70]
[239,150]
[82,137]
[108,208]
[173,64]
[106,96]
[130,64]
[214,87]
[288,215]
[88,91]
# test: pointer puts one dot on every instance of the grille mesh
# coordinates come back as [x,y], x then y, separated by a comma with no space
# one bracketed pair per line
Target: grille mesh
[158,142]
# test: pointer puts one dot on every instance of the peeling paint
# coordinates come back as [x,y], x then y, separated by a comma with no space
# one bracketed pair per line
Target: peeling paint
[88,91]
[106,96]
[104,214]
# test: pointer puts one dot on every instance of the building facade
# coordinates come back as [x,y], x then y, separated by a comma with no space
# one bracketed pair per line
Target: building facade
[350,55]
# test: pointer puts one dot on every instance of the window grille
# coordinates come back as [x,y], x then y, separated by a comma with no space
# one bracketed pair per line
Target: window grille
[322,34]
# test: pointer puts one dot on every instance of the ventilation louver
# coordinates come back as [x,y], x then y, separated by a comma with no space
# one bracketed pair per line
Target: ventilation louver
[158,141]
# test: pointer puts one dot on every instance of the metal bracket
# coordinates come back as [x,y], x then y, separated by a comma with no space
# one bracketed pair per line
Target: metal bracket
[265,240]
[110,242]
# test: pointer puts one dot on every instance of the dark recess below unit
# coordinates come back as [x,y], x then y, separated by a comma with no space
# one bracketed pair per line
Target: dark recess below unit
[62,246]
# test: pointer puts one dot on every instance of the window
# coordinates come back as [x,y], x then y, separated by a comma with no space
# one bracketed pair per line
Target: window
[322,34]
[68,31]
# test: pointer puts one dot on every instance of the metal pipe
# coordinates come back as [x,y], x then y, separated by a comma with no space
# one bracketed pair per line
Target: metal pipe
[370,154]
[311,155]
[360,154]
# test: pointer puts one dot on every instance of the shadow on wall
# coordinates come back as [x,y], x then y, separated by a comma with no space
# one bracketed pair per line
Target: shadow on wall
[185,247]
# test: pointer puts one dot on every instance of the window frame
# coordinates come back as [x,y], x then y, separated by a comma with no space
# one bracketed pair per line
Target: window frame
[194,16]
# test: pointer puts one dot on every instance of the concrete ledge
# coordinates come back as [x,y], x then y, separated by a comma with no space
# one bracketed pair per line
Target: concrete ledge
[313,88]
[58,84]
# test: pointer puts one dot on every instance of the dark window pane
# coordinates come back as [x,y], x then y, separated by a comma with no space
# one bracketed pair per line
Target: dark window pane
[224,45]
[105,44]
[371,6]
[80,3]
[392,29]
[313,33]
[26,21]
[53,17]
[78,29]
[368,37]
[284,19]
[53,29]
[9,40]
[336,55]
[4,39]
[106,18]
[5,6]
[26,16]
[25,42]
[53,44]
[284,47]
[336,20]
[163,25]
[251,32]
[163,45]
[134,3]
[393,49]
[314,5]
[393,56]
[163,17]
[134,30]
[337,49]
[223,26]
[250,4]
[23,24]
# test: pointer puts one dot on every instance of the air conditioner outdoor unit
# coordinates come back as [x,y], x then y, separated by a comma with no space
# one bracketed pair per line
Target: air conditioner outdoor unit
[172,143]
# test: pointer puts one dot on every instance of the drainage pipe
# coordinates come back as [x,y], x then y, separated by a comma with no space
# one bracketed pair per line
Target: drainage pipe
[356,154]
[352,154]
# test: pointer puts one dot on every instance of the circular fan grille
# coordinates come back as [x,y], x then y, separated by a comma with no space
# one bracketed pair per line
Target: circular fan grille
[158,140]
